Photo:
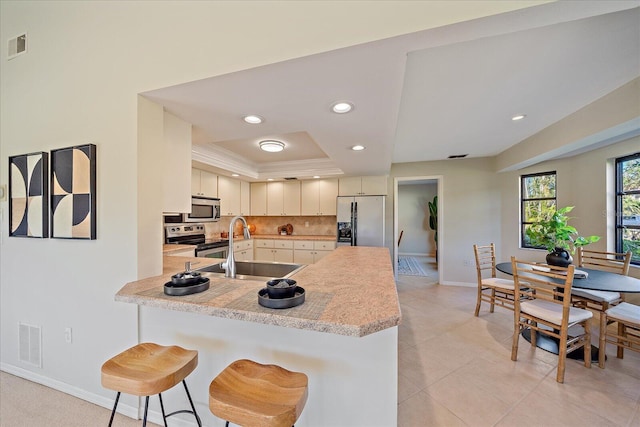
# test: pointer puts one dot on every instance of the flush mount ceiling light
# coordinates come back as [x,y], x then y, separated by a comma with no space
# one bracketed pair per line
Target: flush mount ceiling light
[271,146]
[518,117]
[234,174]
[342,107]
[252,119]
[316,176]
[358,147]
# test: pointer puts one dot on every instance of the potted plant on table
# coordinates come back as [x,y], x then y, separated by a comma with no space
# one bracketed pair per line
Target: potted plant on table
[559,238]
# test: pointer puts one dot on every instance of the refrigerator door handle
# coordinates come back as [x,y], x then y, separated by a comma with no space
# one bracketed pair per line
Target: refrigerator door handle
[354,220]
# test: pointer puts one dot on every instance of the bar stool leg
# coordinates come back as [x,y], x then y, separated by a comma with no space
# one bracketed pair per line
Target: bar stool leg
[193,408]
[164,417]
[113,412]
[146,409]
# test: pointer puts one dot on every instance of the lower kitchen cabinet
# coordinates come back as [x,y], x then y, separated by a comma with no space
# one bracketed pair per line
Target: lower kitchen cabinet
[243,250]
[311,251]
[274,250]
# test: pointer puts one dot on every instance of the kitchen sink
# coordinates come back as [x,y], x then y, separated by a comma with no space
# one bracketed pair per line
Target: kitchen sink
[255,270]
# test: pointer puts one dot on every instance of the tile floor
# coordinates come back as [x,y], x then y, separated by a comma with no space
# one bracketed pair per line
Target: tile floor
[455,369]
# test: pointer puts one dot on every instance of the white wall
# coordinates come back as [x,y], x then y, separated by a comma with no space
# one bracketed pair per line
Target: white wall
[79,83]
[413,218]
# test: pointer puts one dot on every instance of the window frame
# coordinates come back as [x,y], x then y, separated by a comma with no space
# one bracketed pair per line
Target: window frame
[619,193]
[523,200]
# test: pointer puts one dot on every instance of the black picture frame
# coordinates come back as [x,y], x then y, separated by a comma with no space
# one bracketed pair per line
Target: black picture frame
[29,195]
[73,192]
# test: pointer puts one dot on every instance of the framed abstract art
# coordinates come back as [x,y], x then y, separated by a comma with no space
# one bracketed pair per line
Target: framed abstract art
[29,195]
[73,192]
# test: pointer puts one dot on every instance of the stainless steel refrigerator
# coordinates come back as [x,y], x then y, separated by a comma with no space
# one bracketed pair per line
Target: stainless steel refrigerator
[361,220]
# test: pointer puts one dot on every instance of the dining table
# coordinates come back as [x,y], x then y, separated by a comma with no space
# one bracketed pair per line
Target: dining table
[596,280]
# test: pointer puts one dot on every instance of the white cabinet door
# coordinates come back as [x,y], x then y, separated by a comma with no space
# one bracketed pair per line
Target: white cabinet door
[283,255]
[309,197]
[301,256]
[275,197]
[258,199]
[203,183]
[245,198]
[229,192]
[328,193]
[291,198]
[363,186]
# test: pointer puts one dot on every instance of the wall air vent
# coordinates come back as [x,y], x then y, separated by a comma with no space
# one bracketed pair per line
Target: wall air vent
[17,46]
[291,178]
[30,344]
[458,156]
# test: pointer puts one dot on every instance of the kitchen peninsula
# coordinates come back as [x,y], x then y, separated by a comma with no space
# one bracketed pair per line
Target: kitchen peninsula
[344,337]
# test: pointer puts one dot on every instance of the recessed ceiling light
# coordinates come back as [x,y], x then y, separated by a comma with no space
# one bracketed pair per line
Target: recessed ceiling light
[518,117]
[252,119]
[358,147]
[342,107]
[234,174]
[269,179]
[316,176]
[271,145]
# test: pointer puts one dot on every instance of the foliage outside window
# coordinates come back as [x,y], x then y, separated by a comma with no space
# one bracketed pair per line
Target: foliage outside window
[628,206]
[537,201]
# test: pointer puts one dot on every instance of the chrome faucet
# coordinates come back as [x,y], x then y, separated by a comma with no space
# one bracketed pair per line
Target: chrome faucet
[230,265]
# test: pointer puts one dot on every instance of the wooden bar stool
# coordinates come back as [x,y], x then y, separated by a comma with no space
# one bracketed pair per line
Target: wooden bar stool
[147,369]
[250,394]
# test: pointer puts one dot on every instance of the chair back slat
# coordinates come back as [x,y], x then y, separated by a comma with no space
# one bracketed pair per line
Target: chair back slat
[485,260]
[544,282]
[614,262]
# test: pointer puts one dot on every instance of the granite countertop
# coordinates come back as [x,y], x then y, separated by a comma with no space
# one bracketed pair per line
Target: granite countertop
[166,249]
[293,237]
[343,294]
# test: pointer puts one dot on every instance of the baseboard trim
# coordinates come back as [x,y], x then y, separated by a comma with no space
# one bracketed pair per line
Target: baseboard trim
[461,284]
[127,410]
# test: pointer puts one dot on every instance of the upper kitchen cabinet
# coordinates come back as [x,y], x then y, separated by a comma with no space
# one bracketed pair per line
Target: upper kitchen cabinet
[283,198]
[234,196]
[318,197]
[203,183]
[258,199]
[363,186]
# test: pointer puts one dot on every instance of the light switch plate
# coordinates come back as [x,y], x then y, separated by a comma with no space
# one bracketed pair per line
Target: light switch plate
[3,191]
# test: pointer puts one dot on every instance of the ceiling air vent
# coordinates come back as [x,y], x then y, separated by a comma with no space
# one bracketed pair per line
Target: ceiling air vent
[17,46]
[291,178]
[458,156]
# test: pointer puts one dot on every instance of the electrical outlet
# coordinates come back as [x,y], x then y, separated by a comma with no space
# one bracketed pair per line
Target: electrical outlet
[306,223]
[67,335]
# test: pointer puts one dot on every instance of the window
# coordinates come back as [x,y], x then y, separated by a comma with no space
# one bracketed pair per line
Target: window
[537,199]
[628,206]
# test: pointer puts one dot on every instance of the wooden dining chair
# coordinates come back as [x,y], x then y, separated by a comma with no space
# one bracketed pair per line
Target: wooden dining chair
[613,262]
[491,289]
[627,317]
[548,310]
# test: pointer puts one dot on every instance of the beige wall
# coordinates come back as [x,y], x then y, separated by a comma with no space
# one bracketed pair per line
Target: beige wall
[470,211]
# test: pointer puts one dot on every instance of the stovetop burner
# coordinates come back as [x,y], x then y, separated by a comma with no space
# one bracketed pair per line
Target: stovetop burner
[191,234]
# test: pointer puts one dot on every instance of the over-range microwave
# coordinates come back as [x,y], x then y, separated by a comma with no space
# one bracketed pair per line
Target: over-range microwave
[203,209]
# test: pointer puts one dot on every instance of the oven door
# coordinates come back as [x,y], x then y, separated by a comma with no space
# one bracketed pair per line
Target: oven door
[218,253]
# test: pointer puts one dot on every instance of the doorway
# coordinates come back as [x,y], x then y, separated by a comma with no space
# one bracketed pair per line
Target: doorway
[411,220]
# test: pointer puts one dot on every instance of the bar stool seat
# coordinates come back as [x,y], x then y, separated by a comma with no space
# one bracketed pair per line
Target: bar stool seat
[251,394]
[147,369]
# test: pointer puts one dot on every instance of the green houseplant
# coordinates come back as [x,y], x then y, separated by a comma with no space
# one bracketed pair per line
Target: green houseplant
[560,239]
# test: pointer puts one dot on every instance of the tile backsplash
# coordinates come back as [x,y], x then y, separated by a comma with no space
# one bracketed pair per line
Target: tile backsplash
[302,225]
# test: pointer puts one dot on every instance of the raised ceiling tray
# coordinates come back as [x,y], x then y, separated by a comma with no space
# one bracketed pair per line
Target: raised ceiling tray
[265,301]
[201,285]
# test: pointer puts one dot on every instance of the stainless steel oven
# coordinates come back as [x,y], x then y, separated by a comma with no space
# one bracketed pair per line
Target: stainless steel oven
[194,234]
